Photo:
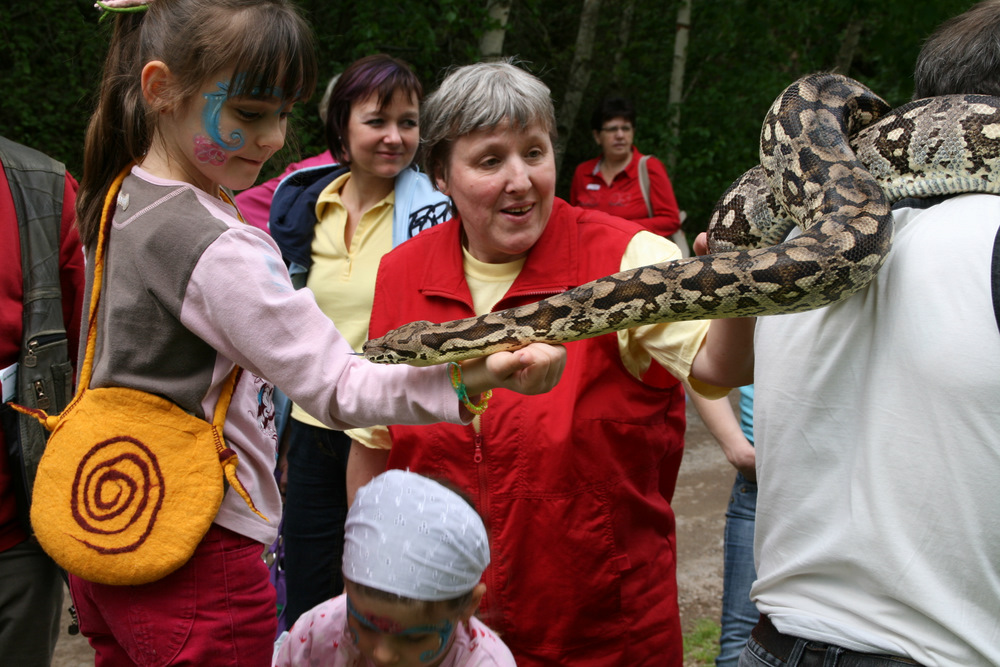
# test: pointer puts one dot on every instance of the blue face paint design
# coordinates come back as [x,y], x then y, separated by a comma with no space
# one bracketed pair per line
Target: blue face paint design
[210,119]
[385,626]
[213,110]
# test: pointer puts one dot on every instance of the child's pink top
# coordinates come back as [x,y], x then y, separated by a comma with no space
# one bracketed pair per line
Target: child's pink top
[320,638]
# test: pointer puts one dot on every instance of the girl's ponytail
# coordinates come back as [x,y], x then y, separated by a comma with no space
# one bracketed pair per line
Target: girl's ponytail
[120,130]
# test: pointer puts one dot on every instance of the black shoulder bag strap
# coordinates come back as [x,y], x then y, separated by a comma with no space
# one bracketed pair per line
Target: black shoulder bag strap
[45,374]
[995,277]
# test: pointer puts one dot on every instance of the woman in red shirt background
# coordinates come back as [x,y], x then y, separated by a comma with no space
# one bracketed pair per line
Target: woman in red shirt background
[610,182]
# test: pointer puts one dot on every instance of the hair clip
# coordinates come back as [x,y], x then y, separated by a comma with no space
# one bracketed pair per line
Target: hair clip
[108,7]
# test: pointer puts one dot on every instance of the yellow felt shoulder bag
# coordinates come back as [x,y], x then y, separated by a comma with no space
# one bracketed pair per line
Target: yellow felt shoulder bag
[129,482]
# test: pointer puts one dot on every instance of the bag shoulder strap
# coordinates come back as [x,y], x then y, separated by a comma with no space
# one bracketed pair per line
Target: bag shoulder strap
[644,183]
[110,201]
[228,458]
[995,277]
[678,237]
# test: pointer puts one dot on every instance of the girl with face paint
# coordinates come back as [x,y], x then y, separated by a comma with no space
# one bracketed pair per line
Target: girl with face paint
[194,99]
[414,555]
[333,224]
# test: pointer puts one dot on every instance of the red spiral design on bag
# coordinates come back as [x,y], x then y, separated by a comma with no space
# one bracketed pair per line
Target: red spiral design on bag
[117,494]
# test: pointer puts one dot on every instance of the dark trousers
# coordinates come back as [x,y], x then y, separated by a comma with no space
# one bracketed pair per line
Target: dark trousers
[315,511]
[31,598]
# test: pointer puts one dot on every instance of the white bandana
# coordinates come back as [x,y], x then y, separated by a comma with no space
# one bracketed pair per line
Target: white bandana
[408,535]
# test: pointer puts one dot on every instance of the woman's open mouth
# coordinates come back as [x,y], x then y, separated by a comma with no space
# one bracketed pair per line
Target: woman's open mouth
[519,210]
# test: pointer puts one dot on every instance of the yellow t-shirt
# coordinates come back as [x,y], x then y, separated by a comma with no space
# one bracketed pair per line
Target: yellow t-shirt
[674,345]
[341,278]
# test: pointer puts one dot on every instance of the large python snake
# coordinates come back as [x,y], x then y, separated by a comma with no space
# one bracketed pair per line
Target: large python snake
[834,157]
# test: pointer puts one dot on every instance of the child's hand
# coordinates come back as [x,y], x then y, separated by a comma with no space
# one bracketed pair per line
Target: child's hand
[700,246]
[534,369]
[743,457]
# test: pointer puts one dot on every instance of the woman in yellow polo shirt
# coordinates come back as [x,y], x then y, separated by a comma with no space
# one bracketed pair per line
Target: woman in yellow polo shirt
[333,223]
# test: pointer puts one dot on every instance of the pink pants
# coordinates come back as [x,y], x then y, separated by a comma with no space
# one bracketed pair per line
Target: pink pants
[218,609]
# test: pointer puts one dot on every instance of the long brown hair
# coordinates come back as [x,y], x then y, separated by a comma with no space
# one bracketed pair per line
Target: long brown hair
[266,43]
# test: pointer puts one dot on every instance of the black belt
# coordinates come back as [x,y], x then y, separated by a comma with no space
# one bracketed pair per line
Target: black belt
[781,647]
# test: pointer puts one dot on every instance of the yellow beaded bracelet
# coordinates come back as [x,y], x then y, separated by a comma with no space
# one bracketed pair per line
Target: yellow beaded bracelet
[463,394]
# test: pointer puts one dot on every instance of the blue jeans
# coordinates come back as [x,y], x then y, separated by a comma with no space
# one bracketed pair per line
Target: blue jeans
[786,651]
[315,511]
[739,614]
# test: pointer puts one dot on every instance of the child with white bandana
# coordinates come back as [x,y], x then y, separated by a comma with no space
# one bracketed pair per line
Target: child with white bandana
[414,553]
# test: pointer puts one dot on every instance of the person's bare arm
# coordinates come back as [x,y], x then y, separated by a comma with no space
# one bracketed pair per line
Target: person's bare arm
[721,421]
[726,357]
[363,464]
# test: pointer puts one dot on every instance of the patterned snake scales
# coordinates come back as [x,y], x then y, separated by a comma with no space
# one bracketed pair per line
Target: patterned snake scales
[833,159]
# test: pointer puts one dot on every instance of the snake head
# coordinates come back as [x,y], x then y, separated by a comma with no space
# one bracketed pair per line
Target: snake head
[399,346]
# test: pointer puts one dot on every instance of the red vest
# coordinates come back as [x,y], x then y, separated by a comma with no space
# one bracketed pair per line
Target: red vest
[574,485]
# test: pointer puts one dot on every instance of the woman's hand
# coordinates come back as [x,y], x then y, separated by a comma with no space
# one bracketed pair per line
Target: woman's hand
[534,369]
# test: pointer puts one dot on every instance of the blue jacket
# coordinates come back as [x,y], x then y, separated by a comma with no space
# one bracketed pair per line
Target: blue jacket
[292,223]
[293,211]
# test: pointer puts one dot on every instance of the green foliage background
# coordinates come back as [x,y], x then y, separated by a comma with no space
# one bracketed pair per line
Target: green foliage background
[741,55]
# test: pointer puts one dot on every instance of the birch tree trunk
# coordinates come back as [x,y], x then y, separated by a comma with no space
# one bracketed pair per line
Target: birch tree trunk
[491,44]
[677,77]
[852,36]
[579,76]
[624,32]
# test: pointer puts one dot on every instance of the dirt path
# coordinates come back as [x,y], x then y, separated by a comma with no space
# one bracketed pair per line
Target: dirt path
[699,503]
[72,650]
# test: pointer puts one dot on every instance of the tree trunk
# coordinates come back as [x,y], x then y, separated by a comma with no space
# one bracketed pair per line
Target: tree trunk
[491,44]
[852,35]
[677,78]
[624,32]
[579,75]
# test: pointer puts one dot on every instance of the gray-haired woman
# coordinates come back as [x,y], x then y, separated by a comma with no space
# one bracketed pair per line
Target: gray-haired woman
[576,486]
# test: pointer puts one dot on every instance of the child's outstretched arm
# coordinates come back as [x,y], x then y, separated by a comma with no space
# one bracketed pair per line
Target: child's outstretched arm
[240,301]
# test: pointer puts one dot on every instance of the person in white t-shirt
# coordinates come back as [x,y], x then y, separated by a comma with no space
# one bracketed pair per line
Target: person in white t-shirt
[878,434]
